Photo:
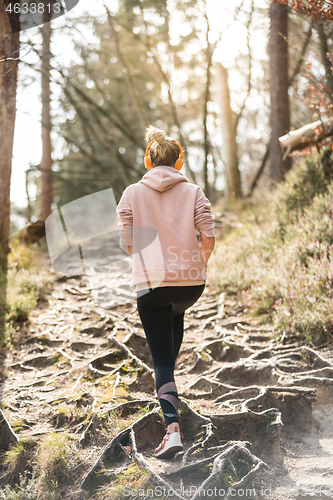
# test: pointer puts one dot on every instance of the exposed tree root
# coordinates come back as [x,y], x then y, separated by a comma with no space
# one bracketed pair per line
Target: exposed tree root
[142,462]
[227,350]
[211,389]
[111,452]
[119,358]
[7,435]
[85,434]
[208,436]
[266,367]
[207,432]
[232,454]
[129,354]
[246,382]
[125,409]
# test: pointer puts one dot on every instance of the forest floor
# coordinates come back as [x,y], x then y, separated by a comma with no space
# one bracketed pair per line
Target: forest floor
[251,396]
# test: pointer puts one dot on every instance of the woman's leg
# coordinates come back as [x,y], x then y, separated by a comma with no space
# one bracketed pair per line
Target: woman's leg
[184,297]
[162,315]
[178,333]
[158,330]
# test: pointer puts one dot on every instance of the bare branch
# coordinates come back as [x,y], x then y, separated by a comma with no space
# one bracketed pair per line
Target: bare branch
[249,85]
[303,51]
[128,73]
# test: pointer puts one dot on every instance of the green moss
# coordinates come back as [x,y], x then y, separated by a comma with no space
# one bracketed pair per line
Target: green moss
[203,472]
[122,391]
[88,418]
[57,401]
[184,411]
[18,425]
[62,410]
[90,377]
[61,414]
[108,395]
[229,478]
[265,422]
[205,355]
[142,371]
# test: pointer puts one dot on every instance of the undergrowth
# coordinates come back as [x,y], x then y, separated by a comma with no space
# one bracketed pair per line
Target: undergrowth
[26,282]
[56,456]
[40,470]
[131,481]
[26,489]
[49,469]
[279,259]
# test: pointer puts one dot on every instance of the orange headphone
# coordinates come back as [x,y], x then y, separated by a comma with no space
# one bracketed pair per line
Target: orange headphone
[178,165]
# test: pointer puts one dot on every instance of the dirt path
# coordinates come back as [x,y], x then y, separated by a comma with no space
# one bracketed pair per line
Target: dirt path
[83,363]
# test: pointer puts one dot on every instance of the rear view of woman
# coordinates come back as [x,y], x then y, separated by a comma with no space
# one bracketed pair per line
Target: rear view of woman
[158,218]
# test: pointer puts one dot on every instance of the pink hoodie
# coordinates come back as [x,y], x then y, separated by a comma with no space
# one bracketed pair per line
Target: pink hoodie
[158,217]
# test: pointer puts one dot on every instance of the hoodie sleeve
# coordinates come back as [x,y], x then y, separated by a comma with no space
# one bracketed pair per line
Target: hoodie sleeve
[203,219]
[125,221]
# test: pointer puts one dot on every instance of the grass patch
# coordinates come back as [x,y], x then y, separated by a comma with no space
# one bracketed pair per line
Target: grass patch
[55,457]
[281,266]
[13,457]
[25,282]
[18,459]
[132,479]
[27,489]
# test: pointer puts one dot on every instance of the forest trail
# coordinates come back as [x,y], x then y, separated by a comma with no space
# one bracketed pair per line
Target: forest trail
[81,364]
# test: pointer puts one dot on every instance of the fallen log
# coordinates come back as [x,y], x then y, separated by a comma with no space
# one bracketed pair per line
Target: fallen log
[304,136]
[31,233]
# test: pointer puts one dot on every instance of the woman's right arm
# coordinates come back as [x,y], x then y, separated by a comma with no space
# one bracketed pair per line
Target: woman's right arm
[207,247]
[125,223]
[204,223]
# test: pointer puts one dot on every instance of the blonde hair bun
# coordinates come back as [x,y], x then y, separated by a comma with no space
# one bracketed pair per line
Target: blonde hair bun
[164,150]
[155,134]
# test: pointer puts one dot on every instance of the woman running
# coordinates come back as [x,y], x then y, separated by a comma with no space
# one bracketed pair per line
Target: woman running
[158,218]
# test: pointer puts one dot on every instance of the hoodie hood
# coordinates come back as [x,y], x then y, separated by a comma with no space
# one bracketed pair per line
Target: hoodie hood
[163,178]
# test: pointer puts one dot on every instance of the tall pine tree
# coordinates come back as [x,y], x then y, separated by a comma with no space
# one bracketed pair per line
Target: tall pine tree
[9,53]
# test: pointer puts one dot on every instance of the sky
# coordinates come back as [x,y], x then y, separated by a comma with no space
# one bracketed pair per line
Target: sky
[27,139]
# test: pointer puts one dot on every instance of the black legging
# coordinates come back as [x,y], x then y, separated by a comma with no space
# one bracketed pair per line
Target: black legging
[162,312]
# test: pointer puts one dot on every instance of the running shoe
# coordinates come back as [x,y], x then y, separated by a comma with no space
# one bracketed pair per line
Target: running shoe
[170,444]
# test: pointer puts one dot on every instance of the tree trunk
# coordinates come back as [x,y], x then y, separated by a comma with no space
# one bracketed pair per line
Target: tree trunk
[46,178]
[324,50]
[9,47]
[233,181]
[278,61]
[209,55]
